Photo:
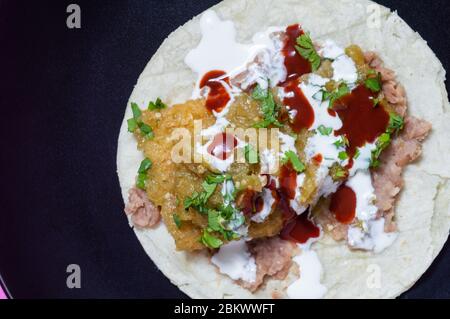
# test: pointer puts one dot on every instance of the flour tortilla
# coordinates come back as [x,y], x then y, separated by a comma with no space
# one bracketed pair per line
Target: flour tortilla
[423,211]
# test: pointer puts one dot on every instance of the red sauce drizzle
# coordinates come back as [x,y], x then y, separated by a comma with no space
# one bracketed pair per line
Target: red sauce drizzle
[295,64]
[300,229]
[343,204]
[361,121]
[227,143]
[318,158]
[288,181]
[305,113]
[218,96]
[252,202]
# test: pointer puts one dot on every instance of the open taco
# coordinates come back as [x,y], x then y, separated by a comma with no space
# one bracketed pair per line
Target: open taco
[289,149]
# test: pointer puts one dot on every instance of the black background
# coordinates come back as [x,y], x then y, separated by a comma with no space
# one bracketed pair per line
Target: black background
[62,98]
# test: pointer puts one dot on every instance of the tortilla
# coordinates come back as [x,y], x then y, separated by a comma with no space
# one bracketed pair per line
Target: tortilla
[423,211]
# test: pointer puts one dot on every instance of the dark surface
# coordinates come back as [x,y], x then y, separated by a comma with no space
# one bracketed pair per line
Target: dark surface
[62,98]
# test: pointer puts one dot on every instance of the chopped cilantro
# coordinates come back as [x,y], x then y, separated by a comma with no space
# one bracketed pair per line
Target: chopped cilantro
[146,164]
[251,155]
[132,125]
[396,123]
[342,156]
[136,111]
[295,161]
[217,179]
[374,84]
[325,130]
[141,179]
[209,240]
[147,131]
[306,49]
[136,122]
[382,143]
[335,95]
[339,172]
[268,107]
[343,142]
[177,220]
[157,105]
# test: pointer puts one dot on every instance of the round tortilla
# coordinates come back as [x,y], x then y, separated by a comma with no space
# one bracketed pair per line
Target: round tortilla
[423,210]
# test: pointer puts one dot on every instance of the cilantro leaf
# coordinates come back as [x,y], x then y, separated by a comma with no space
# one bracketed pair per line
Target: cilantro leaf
[136,111]
[306,49]
[214,220]
[343,155]
[251,155]
[396,123]
[295,161]
[177,220]
[141,180]
[268,107]
[209,240]
[335,95]
[343,142]
[157,105]
[136,122]
[382,143]
[132,125]
[217,179]
[146,131]
[325,130]
[374,84]
[146,164]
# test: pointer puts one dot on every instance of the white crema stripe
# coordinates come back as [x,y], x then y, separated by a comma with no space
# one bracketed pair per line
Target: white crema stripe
[234,260]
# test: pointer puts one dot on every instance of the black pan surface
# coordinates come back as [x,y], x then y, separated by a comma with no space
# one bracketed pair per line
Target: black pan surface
[62,98]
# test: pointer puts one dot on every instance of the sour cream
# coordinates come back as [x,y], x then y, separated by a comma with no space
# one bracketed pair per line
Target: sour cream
[309,285]
[235,261]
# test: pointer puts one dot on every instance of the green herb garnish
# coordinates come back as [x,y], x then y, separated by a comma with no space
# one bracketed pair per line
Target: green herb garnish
[342,156]
[136,122]
[209,240]
[198,200]
[297,164]
[374,84]
[325,130]
[343,142]
[146,164]
[251,155]
[268,107]
[136,111]
[335,95]
[396,123]
[306,49]
[141,179]
[382,143]
[177,220]
[157,105]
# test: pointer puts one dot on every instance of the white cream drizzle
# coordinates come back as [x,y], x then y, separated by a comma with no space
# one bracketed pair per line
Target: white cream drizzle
[267,207]
[218,48]
[344,69]
[308,285]
[234,260]
[330,50]
[371,234]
